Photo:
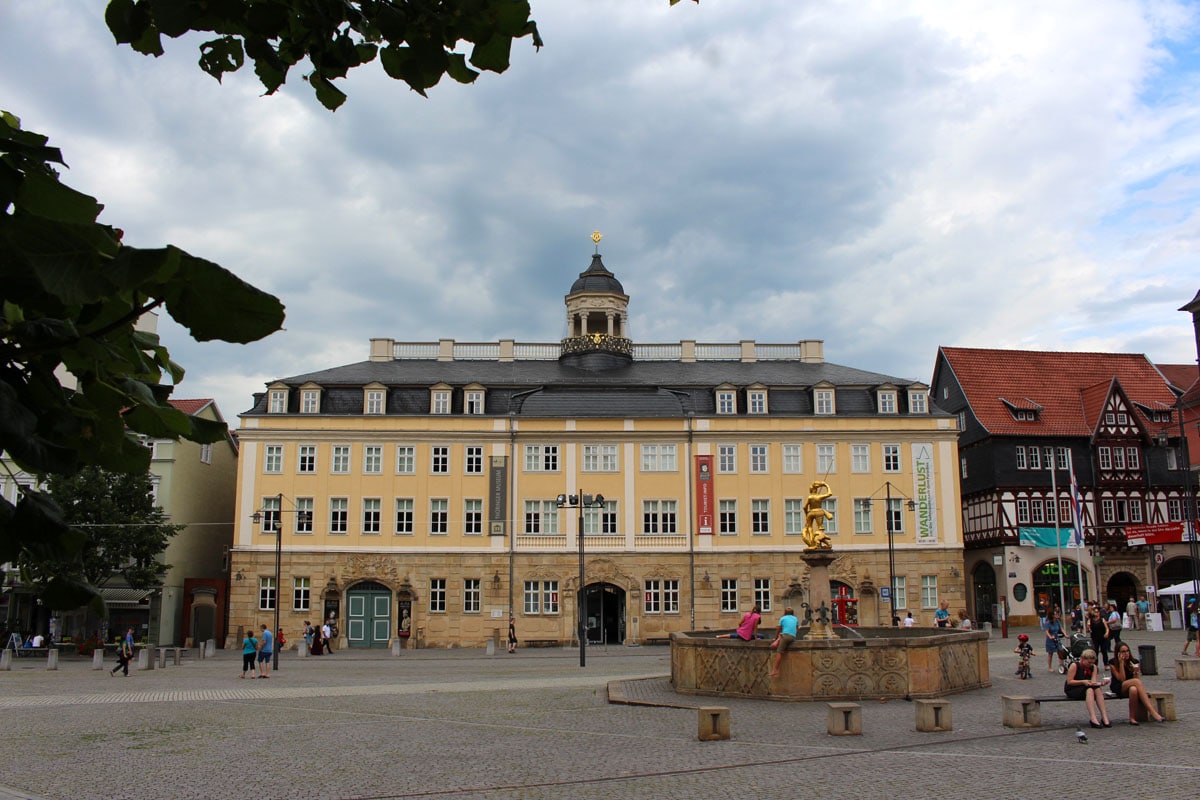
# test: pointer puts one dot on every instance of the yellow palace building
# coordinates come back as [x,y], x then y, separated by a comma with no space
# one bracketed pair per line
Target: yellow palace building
[434,489]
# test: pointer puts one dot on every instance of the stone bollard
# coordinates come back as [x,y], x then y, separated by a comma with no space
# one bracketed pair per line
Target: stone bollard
[6,660]
[52,658]
[302,649]
[1021,712]
[397,646]
[145,659]
[713,723]
[1187,669]
[845,719]
[491,647]
[210,648]
[98,658]
[1163,702]
[162,658]
[933,715]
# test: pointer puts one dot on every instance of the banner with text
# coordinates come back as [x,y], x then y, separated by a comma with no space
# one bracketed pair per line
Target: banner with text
[1035,536]
[498,496]
[704,494]
[1155,533]
[924,493]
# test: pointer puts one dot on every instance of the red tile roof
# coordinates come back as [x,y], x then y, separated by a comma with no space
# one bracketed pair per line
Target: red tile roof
[190,407]
[1181,376]
[1070,387]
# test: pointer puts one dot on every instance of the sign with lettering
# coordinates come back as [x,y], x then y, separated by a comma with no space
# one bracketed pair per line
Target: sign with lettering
[704,494]
[498,496]
[924,493]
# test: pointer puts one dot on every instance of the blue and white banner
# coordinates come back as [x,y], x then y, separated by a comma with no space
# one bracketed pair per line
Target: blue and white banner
[1046,537]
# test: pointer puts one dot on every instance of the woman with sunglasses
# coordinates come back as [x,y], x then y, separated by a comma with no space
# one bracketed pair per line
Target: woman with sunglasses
[1127,682]
[1083,683]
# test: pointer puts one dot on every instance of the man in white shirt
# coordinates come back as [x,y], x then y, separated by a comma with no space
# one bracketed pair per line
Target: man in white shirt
[327,635]
[38,640]
[909,621]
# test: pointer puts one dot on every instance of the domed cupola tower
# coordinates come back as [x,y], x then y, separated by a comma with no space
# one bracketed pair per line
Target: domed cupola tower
[597,319]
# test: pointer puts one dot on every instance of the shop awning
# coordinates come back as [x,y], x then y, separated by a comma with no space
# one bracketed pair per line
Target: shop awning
[123,596]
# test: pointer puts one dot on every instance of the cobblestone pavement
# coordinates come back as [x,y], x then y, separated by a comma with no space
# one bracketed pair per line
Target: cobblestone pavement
[461,724]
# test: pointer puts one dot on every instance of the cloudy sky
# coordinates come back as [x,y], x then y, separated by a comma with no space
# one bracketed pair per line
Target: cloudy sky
[886,176]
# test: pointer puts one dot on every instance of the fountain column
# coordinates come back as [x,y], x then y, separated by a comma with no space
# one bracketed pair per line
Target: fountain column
[818,561]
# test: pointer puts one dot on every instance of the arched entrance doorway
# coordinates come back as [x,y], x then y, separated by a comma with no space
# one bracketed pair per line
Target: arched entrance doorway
[845,604]
[1046,582]
[1121,587]
[368,615]
[1174,570]
[605,605]
[983,592]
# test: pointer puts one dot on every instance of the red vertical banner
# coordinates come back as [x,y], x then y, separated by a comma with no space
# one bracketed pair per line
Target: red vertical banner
[704,494]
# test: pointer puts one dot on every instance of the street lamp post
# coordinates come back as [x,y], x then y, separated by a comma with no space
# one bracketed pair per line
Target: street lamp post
[581,501]
[276,523]
[891,532]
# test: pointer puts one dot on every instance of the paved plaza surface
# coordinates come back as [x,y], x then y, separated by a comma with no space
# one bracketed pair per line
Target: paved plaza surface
[462,724]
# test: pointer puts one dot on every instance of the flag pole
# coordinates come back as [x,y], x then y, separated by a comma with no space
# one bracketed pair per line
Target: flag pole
[1062,597]
[1077,521]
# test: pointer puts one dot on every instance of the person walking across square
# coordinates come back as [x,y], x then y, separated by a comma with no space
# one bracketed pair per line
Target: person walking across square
[264,653]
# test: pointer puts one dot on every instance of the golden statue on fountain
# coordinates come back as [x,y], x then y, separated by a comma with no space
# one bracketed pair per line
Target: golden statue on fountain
[815,516]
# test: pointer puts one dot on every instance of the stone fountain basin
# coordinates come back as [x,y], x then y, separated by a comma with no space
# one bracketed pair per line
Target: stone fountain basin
[883,663]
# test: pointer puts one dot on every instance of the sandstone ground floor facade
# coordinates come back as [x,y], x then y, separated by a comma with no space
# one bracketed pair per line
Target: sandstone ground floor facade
[463,599]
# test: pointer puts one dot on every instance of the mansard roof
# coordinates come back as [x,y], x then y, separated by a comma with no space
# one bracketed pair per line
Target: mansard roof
[1070,388]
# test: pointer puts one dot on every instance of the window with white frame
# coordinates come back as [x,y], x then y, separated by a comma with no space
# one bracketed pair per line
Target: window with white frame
[762,594]
[541,597]
[541,517]
[473,460]
[758,459]
[899,592]
[660,516]
[862,515]
[658,458]
[439,516]
[929,591]
[439,459]
[756,401]
[1020,456]
[341,459]
[310,401]
[727,517]
[726,458]
[1118,457]
[1173,460]
[404,516]
[304,515]
[374,401]
[1110,418]
[831,523]
[793,517]
[278,401]
[439,401]
[372,459]
[917,403]
[306,458]
[206,454]
[472,596]
[271,514]
[1035,511]
[891,458]
[962,467]
[1064,458]
[793,459]
[1133,457]
[339,514]
[1035,457]
[1174,510]
[371,515]
[1105,457]
[895,514]
[601,521]
[266,593]
[1122,418]
[473,402]
[1022,511]
[887,402]
[1050,510]
[726,402]
[301,594]
[823,401]
[729,594]
[541,458]
[437,595]
[826,459]
[406,459]
[662,596]
[760,517]
[1135,510]
[473,517]
[273,458]
[860,458]
[599,458]
[962,421]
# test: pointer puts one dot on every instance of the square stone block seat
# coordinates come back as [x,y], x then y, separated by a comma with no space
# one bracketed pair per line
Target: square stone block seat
[1164,702]
[1187,669]
[933,715]
[713,723]
[845,719]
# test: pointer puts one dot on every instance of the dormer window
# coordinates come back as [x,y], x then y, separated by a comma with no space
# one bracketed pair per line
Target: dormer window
[918,402]
[277,401]
[823,402]
[439,400]
[887,402]
[1023,410]
[726,401]
[756,401]
[473,400]
[1025,415]
[374,399]
[310,401]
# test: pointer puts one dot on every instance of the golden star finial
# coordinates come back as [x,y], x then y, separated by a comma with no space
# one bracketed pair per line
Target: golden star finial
[596,237]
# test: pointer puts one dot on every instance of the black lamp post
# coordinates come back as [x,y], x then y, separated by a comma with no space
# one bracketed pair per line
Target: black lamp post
[887,511]
[581,501]
[277,525]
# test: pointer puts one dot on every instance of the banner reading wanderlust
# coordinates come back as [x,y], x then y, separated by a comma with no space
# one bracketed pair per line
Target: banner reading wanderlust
[923,493]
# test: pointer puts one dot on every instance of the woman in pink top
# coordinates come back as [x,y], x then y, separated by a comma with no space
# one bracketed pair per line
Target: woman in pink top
[747,630]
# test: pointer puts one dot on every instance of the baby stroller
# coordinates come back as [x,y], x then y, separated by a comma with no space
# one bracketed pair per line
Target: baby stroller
[1069,653]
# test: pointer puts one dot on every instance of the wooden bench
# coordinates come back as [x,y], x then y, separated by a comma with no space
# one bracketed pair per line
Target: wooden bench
[1023,711]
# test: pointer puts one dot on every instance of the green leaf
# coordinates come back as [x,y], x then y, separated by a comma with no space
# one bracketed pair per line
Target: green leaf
[330,96]
[493,53]
[45,196]
[218,56]
[213,303]
[456,68]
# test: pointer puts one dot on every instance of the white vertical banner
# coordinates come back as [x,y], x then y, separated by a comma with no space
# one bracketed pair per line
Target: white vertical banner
[924,494]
